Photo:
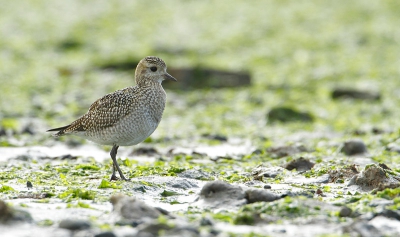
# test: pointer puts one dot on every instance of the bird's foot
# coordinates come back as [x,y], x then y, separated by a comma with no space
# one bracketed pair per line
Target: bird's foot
[115,178]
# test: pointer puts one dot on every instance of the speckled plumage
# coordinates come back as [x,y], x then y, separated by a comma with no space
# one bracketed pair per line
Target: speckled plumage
[125,117]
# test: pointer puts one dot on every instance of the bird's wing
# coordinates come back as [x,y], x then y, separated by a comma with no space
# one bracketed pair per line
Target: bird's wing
[104,112]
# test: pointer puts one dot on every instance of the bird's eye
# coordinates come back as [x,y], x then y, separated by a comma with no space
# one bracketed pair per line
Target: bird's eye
[153,69]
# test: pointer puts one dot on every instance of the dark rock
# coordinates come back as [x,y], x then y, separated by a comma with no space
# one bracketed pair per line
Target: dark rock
[354,94]
[286,114]
[267,186]
[214,232]
[260,195]
[139,188]
[148,151]
[23,157]
[69,44]
[378,131]
[345,212]
[194,78]
[29,184]
[125,222]
[9,214]
[106,234]
[126,64]
[354,147]
[384,166]
[390,214]
[282,151]
[131,208]
[74,224]
[219,194]
[195,174]
[300,164]
[163,211]
[153,228]
[206,221]
[177,229]
[3,132]
[68,157]
[217,137]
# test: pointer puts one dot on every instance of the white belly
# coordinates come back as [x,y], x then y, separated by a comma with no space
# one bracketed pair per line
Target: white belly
[127,132]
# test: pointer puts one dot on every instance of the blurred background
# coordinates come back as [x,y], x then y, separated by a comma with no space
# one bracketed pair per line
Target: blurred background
[295,58]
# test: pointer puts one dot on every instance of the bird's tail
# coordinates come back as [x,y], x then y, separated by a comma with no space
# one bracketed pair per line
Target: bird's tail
[60,130]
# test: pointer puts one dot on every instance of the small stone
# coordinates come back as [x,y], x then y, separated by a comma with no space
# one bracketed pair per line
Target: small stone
[300,164]
[194,78]
[345,212]
[219,193]
[384,166]
[29,184]
[267,186]
[206,221]
[286,114]
[260,195]
[74,224]
[354,94]
[354,147]
[106,234]
[390,214]
[147,151]
[131,208]
[217,137]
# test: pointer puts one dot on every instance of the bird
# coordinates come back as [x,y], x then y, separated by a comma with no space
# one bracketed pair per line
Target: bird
[125,117]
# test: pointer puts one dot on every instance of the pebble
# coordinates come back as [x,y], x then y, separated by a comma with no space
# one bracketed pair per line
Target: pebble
[345,212]
[74,224]
[354,147]
[287,114]
[300,164]
[106,234]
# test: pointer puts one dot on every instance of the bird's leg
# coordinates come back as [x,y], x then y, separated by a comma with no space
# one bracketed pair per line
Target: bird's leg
[113,177]
[113,154]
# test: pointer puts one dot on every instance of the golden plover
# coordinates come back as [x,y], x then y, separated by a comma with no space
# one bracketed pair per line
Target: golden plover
[125,117]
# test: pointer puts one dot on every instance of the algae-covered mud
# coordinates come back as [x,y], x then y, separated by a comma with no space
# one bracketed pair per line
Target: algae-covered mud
[303,141]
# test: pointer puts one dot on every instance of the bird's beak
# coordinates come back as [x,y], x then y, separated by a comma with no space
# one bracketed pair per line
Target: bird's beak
[169,77]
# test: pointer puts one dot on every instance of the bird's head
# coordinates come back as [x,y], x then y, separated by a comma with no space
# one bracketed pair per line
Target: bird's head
[152,69]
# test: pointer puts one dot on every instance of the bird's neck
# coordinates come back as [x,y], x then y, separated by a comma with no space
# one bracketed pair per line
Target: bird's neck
[148,83]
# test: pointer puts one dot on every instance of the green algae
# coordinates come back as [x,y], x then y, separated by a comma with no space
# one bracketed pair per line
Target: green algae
[6,189]
[107,184]
[77,193]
